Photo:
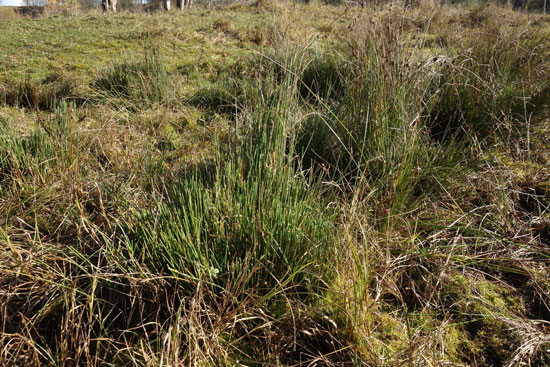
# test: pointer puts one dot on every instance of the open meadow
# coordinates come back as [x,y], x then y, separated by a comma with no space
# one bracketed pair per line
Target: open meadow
[275,184]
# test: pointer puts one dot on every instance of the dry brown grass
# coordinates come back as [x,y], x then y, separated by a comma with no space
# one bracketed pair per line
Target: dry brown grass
[453,272]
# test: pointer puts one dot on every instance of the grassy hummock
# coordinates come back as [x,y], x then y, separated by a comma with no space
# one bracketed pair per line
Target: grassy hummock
[275,184]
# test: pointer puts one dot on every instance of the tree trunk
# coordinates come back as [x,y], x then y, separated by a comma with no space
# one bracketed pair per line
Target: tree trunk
[109,5]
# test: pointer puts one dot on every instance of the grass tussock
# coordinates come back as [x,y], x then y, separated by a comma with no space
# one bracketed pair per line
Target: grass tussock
[39,94]
[489,82]
[260,230]
[50,144]
[136,83]
[375,196]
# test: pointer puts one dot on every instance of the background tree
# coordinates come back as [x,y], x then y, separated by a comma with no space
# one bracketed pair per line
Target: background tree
[35,2]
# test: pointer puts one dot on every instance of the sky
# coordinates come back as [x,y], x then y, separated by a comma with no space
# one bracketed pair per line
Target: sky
[19,2]
[11,2]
